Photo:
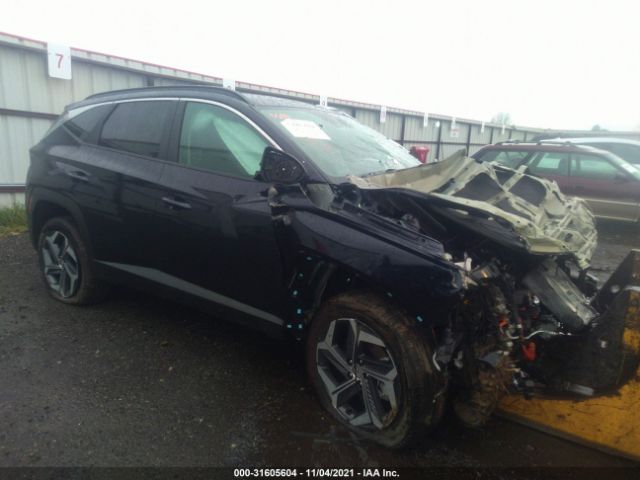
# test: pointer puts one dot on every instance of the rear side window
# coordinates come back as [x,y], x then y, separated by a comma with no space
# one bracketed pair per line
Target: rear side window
[216,139]
[593,167]
[550,163]
[137,127]
[83,124]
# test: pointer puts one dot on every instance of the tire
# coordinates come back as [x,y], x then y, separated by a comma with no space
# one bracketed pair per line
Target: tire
[405,393]
[63,255]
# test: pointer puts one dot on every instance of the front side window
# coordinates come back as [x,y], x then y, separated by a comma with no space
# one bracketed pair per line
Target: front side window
[550,163]
[594,168]
[213,138]
[137,127]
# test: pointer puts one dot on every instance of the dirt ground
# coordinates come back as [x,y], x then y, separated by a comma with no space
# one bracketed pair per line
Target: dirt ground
[138,381]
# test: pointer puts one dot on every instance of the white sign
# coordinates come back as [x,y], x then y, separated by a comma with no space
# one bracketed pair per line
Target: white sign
[304,129]
[59,61]
[229,83]
[454,131]
[425,120]
[482,127]
[383,114]
[324,101]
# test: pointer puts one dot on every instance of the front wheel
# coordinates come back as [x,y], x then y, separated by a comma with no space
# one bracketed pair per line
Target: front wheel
[372,370]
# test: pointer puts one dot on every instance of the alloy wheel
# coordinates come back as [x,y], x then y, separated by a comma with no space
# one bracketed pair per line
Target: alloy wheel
[60,263]
[359,374]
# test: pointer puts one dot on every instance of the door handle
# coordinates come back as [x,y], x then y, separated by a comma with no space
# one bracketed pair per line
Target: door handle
[78,175]
[175,203]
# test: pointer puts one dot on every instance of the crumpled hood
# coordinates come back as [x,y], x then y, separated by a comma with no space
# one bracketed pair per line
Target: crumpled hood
[546,221]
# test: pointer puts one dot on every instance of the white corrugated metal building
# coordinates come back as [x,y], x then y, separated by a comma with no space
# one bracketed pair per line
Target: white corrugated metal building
[30,100]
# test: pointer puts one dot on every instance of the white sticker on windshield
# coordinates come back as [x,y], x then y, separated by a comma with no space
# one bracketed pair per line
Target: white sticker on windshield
[304,129]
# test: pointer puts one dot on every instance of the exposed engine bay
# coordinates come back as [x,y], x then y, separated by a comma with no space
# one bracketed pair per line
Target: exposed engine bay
[530,317]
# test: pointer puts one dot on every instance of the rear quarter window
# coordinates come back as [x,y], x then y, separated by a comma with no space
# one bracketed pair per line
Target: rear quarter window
[77,125]
[84,123]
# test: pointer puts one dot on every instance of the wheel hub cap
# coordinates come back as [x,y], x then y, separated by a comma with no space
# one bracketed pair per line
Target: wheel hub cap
[358,373]
[61,268]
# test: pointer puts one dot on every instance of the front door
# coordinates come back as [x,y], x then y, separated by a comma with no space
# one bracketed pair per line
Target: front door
[216,224]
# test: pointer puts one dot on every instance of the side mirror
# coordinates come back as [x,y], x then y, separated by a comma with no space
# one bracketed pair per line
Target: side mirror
[620,178]
[280,168]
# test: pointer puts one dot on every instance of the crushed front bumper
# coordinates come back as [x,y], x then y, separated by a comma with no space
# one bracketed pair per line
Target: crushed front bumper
[606,362]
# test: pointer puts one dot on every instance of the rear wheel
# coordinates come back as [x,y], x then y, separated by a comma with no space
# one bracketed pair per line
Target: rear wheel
[65,264]
[372,369]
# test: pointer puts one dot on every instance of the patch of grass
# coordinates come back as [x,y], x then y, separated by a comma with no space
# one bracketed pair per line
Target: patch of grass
[13,219]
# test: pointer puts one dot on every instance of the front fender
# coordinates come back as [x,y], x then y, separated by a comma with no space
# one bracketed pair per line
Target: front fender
[411,271]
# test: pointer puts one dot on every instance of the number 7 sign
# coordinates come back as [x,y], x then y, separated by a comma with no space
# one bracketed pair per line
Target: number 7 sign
[59,60]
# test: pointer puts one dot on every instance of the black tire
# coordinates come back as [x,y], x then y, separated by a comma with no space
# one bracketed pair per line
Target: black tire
[418,386]
[86,288]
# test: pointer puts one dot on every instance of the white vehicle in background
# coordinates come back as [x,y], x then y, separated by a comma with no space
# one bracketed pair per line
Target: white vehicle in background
[624,148]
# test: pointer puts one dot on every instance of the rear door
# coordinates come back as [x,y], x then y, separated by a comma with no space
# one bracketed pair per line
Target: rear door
[214,219]
[552,166]
[129,158]
[610,191]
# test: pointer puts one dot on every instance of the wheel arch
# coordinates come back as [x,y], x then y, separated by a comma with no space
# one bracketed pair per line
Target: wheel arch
[44,205]
[315,279]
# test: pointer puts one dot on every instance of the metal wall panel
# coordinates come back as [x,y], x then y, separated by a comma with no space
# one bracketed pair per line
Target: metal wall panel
[25,84]
[448,150]
[17,136]
[478,137]
[463,131]
[498,136]
[10,199]
[473,149]
[414,130]
[369,118]
[391,128]
[517,135]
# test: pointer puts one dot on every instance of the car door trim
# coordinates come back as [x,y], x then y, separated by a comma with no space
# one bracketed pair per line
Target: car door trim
[193,289]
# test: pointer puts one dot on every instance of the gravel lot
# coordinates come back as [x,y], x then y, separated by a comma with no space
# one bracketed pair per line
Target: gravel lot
[141,381]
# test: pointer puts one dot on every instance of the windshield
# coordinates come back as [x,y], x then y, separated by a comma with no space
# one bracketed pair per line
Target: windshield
[338,144]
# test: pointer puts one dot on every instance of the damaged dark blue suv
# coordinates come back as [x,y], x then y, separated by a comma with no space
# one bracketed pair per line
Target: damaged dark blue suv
[411,285]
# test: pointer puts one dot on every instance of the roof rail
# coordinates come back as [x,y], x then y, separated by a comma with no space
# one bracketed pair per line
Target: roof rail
[218,89]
